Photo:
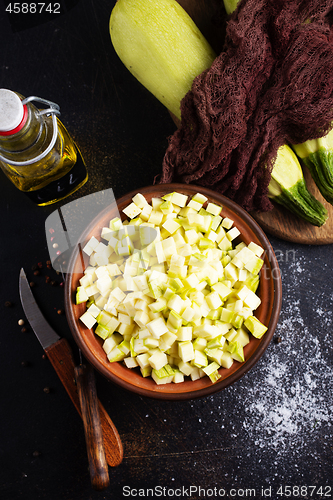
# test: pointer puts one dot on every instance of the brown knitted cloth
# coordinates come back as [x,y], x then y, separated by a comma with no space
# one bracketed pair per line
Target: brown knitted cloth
[272,84]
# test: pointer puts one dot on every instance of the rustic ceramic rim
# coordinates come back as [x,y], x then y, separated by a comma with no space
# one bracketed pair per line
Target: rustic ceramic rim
[270,292]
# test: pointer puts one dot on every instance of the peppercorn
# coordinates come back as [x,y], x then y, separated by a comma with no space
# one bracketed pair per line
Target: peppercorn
[277,340]
[24,363]
[32,284]
[8,303]
[34,267]
[36,454]
[24,329]
[47,279]
[54,283]
[47,390]
[60,311]
[40,265]
[37,272]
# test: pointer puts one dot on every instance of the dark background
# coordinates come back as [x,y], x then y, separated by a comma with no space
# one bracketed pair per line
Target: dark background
[272,428]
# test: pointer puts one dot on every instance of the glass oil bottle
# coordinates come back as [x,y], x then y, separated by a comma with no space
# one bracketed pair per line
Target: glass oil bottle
[36,152]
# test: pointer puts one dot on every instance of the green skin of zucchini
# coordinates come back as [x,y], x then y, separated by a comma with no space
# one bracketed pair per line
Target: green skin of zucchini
[320,165]
[301,202]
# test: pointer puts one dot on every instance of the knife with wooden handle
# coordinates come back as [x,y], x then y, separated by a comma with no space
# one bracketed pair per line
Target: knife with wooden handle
[103,441]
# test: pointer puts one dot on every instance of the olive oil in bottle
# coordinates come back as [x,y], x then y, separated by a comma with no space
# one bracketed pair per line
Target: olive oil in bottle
[36,152]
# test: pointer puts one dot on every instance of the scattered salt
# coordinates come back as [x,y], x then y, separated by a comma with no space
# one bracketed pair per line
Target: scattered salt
[287,407]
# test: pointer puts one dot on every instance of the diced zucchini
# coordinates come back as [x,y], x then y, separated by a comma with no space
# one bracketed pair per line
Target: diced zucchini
[81,295]
[255,326]
[178,302]
[212,371]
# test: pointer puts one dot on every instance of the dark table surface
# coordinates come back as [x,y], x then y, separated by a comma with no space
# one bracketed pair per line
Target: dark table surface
[270,434]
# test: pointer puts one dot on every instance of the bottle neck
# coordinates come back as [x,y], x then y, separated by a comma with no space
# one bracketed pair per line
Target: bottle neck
[31,133]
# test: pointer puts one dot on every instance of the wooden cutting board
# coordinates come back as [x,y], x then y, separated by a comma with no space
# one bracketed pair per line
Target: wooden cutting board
[279,221]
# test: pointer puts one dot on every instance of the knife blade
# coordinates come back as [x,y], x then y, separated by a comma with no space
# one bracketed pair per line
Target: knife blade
[60,354]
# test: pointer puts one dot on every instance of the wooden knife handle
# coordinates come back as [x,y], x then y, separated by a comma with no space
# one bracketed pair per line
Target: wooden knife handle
[98,467]
[61,357]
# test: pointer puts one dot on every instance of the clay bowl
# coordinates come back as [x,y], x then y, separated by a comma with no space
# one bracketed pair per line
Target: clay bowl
[268,312]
